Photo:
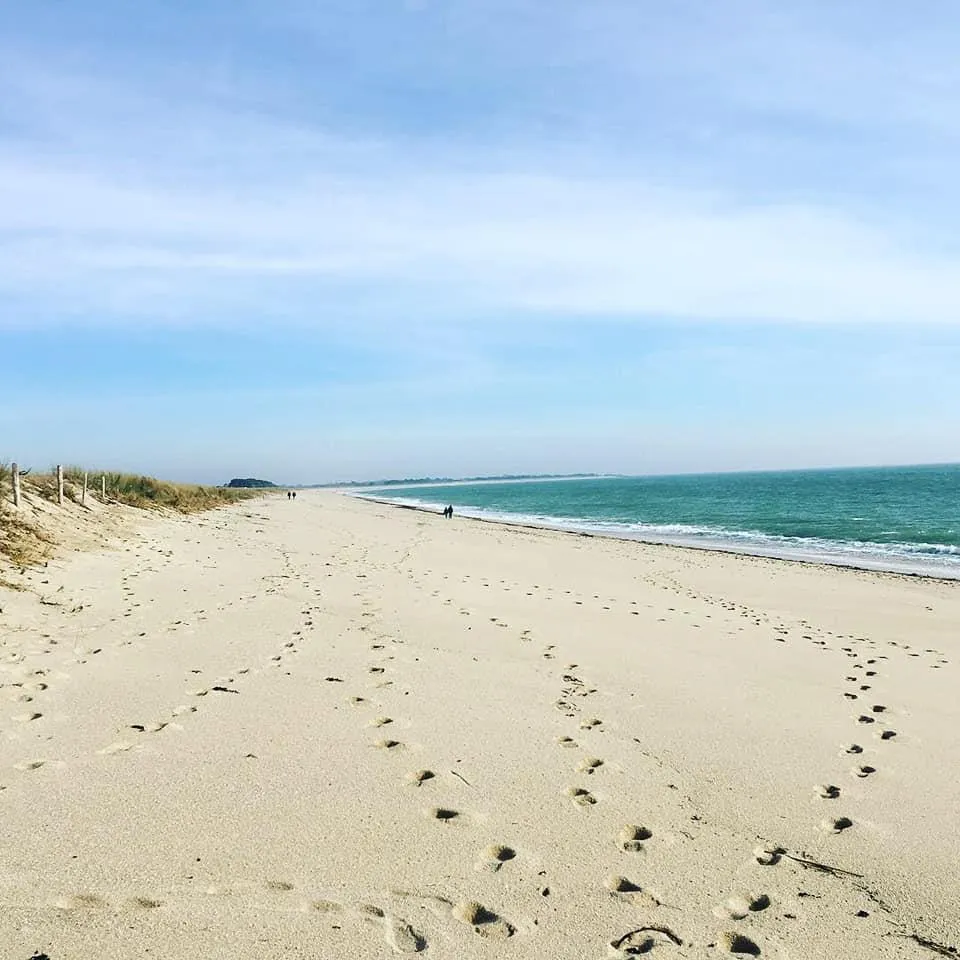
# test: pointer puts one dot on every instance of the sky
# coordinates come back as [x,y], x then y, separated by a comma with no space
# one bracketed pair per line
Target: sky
[320,240]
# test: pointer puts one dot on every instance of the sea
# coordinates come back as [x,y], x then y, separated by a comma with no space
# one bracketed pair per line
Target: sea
[899,519]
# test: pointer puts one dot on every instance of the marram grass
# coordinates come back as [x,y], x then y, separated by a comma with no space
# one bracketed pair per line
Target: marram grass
[22,541]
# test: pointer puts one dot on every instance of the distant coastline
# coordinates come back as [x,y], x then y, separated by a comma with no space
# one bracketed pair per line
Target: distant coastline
[438,481]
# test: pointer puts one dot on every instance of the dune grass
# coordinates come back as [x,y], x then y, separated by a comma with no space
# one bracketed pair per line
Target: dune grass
[135,490]
[147,493]
[23,541]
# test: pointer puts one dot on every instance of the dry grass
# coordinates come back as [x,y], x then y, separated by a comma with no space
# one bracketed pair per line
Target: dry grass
[136,491]
[24,542]
[147,493]
[21,542]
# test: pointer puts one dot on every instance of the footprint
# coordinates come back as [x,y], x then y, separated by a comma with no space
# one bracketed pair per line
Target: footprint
[444,814]
[494,857]
[854,748]
[380,721]
[321,906]
[865,771]
[121,746]
[581,797]
[398,934]
[838,825]
[768,856]
[80,901]
[888,734]
[388,744]
[142,903]
[624,889]
[737,943]
[485,922]
[590,723]
[736,908]
[420,776]
[632,837]
[567,742]
[828,791]
[621,885]
[402,937]
[589,765]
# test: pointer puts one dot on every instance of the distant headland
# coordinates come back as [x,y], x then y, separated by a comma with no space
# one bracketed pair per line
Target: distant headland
[247,482]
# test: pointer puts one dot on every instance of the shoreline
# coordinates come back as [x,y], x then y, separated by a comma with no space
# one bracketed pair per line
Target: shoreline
[712,548]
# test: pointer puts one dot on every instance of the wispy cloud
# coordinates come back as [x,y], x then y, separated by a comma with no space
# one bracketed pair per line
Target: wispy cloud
[610,162]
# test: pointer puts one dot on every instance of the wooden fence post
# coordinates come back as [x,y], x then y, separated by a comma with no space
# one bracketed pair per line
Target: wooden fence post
[83,498]
[15,473]
[103,487]
[60,484]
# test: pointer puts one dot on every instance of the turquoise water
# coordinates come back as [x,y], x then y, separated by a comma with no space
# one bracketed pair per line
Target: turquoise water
[904,519]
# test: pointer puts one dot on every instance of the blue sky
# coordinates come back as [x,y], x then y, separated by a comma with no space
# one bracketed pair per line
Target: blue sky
[324,240]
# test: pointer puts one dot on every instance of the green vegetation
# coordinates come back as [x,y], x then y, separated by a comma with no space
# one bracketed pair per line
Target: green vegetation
[248,482]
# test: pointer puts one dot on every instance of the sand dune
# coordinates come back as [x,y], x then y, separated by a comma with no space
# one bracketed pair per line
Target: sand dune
[331,728]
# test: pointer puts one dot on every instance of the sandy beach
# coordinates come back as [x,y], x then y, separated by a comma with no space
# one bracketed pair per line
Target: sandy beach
[331,728]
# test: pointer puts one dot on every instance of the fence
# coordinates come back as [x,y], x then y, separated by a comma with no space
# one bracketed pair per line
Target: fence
[15,480]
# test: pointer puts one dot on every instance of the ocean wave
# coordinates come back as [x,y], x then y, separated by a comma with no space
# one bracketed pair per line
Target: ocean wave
[929,559]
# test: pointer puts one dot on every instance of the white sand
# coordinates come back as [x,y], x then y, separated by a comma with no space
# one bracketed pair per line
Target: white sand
[337,729]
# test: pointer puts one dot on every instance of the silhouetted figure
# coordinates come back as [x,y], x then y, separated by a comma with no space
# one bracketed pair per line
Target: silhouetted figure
[448,512]
[288,494]
[294,494]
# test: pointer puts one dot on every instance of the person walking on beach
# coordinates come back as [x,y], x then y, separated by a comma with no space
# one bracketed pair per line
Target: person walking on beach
[294,494]
[288,494]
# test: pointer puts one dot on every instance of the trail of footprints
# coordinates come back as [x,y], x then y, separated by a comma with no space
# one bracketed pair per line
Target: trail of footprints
[32,685]
[399,933]
[404,936]
[635,839]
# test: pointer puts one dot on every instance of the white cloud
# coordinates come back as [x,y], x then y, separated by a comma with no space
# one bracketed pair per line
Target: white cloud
[131,202]
[497,243]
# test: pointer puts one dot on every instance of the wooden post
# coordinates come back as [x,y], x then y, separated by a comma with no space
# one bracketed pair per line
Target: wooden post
[83,498]
[103,488]
[60,484]
[15,473]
